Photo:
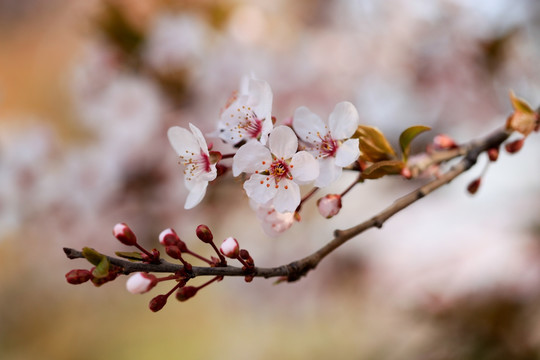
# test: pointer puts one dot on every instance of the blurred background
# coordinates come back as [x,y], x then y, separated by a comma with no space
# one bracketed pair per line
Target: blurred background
[89,88]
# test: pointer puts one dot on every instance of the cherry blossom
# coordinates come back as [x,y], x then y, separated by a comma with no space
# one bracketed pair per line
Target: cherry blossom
[248,114]
[276,171]
[193,152]
[329,141]
[273,223]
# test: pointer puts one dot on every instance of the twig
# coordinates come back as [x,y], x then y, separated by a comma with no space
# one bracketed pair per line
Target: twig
[296,269]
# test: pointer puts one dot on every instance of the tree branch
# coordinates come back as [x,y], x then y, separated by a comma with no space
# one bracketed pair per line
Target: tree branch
[297,269]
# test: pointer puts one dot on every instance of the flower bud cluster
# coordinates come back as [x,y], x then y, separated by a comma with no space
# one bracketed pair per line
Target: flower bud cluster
[80,276]
[143,282]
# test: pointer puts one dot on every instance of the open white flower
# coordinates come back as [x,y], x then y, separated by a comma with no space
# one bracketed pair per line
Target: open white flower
[330,141]
[193,152]
[248,114]
[276,172]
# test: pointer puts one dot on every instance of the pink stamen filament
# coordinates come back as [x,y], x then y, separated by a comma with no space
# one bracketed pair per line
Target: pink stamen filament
[195,165]
[327,147]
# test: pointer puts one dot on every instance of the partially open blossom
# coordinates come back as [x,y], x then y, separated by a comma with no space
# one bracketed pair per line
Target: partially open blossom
[230,248]
[193,152]
[249,113]
[272,222]
[168,237]
[124,234]
[329,205]
[276,172]
[329,141]
[140,282]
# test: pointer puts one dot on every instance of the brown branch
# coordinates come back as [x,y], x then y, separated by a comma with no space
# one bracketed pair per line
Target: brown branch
[296,269]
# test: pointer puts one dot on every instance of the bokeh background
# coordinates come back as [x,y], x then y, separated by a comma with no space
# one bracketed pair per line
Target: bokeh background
[89,88]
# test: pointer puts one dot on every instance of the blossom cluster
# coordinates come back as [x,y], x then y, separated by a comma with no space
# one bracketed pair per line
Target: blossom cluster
[275,160]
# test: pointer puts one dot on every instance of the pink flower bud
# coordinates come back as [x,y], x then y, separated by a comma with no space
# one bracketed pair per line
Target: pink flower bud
[78,276]
[140,282]
[186,292]
[168,237]
[124,234]
[493,154]
[514,146]
[329,205]
[173,251]
[473,187]
[158,303]
[204,233]
[444,142]
[230,248]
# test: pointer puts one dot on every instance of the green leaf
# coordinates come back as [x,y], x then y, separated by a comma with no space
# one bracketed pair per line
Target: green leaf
[407,136]
[382,168]
[130,255]
[373,145]
[92,256]
[102,269]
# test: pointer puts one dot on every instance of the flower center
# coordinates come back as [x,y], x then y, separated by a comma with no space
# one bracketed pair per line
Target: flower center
[195,165]
[279,169]
[327,147]
[251,125]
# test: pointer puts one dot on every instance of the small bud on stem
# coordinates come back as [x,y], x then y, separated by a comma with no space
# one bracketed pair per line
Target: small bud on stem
[187,292]
[124,234]
[473,187]
[204,234]
[493,154]
[158,303]
[78,276]
[514,146]
[329,205]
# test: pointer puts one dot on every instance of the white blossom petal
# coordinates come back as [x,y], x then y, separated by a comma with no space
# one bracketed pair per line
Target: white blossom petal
[348,152]
[343,121]
[199,137]
[267,127]
[283,142]
[308,126]
[183,141]
[229,129]
[257,189]
[251,157]
[304,168]
[329,172]
[287,197]
[260,98]
[197,191]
